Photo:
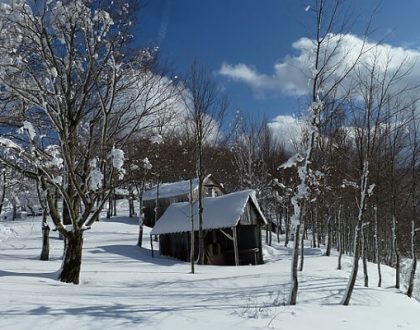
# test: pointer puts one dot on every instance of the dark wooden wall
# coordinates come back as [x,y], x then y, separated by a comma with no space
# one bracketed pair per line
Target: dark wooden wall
[219,248]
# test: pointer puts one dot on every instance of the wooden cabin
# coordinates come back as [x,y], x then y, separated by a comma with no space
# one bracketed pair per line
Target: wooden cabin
[174,192]
[232,225]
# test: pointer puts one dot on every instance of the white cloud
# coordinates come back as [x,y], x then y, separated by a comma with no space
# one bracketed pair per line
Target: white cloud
[244,73]
[291,75]
[288,131]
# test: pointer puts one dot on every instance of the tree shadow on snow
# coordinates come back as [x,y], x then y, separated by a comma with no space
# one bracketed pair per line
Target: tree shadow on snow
[324,291]
[123,219]
[120,314]
[124,314]
[52,275]
[137,253]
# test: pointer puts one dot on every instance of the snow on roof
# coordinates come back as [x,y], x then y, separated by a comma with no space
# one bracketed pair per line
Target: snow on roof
[219,212]
[170,189]
[122,191]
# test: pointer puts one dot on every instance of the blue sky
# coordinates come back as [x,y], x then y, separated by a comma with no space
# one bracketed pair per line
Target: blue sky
[259,34]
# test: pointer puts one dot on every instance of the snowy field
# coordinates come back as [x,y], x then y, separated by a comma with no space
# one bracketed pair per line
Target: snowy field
[123,287]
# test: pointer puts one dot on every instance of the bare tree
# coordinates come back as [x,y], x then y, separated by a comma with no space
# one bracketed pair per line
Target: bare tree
[377,90]
[206,106]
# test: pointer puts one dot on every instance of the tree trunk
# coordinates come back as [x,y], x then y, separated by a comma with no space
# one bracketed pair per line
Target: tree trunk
[66,208]
[140,192]
[114,203]
[45,252]
[328,251]
[414,257]
[377,255]
[3,191]
[235,246]
[70,269]
[157,199]
[131,211]
[140,238]
[364,259]
[313,227]
[157,203]
[353,275]
[302,245]
[109,212]
[359,226]
[14,214]
[340,239]
[287,227]
[319,229]
[295,283]
[200,223]
[396,252]
[266,233]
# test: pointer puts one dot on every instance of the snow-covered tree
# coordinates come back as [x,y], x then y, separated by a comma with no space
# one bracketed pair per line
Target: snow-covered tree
[324,59]
[66,60]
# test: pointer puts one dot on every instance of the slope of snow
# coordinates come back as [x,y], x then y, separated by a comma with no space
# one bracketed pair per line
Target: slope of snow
[123,287]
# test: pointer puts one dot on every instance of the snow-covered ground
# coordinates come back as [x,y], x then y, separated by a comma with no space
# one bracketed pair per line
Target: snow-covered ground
[123,287]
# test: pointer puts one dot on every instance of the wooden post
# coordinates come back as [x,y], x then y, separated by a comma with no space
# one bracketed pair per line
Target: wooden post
[157,199]
[151,244]
[235,246]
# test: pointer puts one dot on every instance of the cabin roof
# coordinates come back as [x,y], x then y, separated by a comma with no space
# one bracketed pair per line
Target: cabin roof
[218,212]
[172,189]
[122,191]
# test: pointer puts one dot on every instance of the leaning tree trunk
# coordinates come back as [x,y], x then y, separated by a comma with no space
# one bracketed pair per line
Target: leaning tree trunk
[72,260]
[353,275]
[45,252]
[359,225]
